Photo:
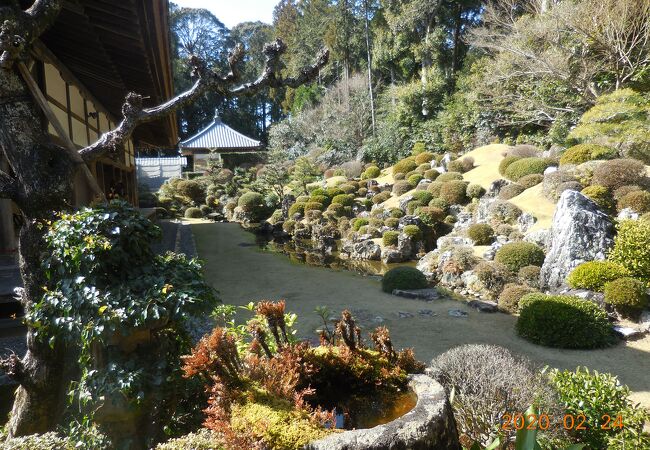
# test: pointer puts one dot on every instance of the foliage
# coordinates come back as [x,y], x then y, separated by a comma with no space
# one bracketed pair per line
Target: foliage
[510,296]
[626,294]
[594,395]
[526,166]
[390,238]
[637,201]
[554,183]
[481,233]
[297,208]
[593,275]
[251,201]
[359,222]
[632,248]
[46,441]
[193,213]
[516,255]
[304,172]
[475,191]
[505,163]
[510,191]
[343,199]
[430,215]
[404,166]
[493,275]
[203,439]
[503,211]
[529,275]
[531,180]
[454,192]
[563,321]
[424,157]
[619,172]
[450,176]
[371,172]
[403,277]
[402,187]
[600,195]
[415,179]
[582,153]
[313,206]
[413,231]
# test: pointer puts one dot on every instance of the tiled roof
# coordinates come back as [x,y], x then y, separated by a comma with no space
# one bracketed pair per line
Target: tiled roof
[219,135]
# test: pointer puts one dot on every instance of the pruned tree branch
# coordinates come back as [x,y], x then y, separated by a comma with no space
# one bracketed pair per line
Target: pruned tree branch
[271,77]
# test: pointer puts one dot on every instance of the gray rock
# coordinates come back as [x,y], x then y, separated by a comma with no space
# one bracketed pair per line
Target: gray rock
[426,312]
[448,241]
[455,210]
[457,313]
[483,209]
[405,246]
[539,237]
[427,294]
[580,232]
[526,221]
[429,425]
[446,159]
[550,170]
[409,220]
[404,314]
[644,321]
[490,253]
[627,333]
[495,187]
[628,214]
[428,264]
[404,201]
[484,306]
[363,250]
[287,201]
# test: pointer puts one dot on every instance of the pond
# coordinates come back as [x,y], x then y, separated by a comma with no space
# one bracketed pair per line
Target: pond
[243,272]
[367,412]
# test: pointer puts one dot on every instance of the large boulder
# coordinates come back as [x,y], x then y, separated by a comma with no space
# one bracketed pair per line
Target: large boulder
[580,232]
[367,249]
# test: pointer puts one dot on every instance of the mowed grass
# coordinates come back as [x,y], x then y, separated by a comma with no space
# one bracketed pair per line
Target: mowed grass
[533,202]
[486,164]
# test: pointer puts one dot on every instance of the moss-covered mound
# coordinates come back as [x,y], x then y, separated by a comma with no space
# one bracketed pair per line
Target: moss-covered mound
[403,277]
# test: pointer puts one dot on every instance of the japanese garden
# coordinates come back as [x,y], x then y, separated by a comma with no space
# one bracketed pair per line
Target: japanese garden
[325,224]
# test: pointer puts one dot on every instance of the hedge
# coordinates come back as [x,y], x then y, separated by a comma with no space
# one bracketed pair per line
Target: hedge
[403,277]
[516,255]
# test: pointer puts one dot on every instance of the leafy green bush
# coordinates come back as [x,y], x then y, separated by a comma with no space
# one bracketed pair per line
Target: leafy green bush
[593,275]
[563,321]
[424,157]
[392,222]
[402,187]
[526,166]
[191,189]
[390,238]
[439,203]
[289,225]
[600,195]
[531,180]
[297,208]
[418,148]
[46,441]
[510,191]
[454,192]
[594,395]
[619,172]
[403,277]
[582,153]
[505,163]
[638,201]
[396,212]
[405,166]
[193,213]
[493,275]
[371,172]
[504,211]
[251,201]
[626,293]
[423,197]
[510,296]
[481,233]
[529,275]
[313,206]
[343,199]
[516,255]
[632,248]
[475,191]
[450,176]
[358,223]
[415,179]
[430,215]
[203,439]
[381,197]
[431,174]
[413,231]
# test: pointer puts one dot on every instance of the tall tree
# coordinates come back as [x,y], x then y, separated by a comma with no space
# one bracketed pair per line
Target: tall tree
[42,176]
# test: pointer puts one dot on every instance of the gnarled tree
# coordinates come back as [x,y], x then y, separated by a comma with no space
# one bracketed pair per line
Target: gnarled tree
[41,177]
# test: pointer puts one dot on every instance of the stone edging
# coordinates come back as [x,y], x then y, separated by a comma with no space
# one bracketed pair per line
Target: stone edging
[429,425]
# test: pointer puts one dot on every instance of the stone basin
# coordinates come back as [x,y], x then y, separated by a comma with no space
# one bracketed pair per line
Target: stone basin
[429,425]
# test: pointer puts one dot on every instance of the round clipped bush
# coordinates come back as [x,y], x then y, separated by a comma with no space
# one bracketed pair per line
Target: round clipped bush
[529,275]
[423,197]
[531,180]
[504,211]
[193,213]
[450,176]
[424,157]
[637,201]
[481,233]
[492,275]
[313,206]
[399,176]
[413,231]
[405,166]
[627,294]
[371,172]
[511,295]
[392,222]
[337,209]
[526,166]
[390,238]
[563,321]
[593,275]
[454,192]
[582,153]
[622,191]
[619,172]
[475,191]
[250,201]
[296,208]
[422,168]
[322,199]
[511,191]
[415,179]
[505,163]
[430,215]
[431,174]
[435,188]
[381,197]
[360,222]
[343,199]
[401,187]
[600,195]
[348,188]
[396,212]
[403,277]
[516,255]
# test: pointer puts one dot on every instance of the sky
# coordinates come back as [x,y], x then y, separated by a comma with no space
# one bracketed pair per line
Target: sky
[233,12]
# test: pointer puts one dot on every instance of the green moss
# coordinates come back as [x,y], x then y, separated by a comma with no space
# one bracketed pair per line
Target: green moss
[505,163]
[313,206]
[297,208]
[431,174]
[593,275]
[392,222]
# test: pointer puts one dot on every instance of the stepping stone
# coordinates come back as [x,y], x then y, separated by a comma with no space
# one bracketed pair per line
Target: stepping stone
[484,306]
[627,333]
[457,313]
[404,315]
[427,295]
[427,312]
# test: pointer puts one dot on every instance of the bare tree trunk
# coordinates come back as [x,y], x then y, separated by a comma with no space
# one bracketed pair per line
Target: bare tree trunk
[370,92]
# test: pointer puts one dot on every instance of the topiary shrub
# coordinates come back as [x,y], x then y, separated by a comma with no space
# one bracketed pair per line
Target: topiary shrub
[193,213]
[313,206]
[621,192]
[526,166]
[481,233]
[431,174]
[424,157]
[413,231]
[296,208]
[399,176]
[563,321]
[600,195]
[251,201]
[358,223]
[405,166]
[637,201]
[510,191]
[516,255]
[582,153]
[531,180]
[593,275]
[505,163]
[619,172]
[401,187]
[529,275]
[553,181]
[628,295]
[450,176]
[371,172]
[381,197]
[343,199]
[390,238]
[415,179]
[454,192]
[403,277]
[504,211]
[423,197]
[510,296]
[392,222]
[430,215]
[632,248]
[475,191]
[396,212]
[493,275]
